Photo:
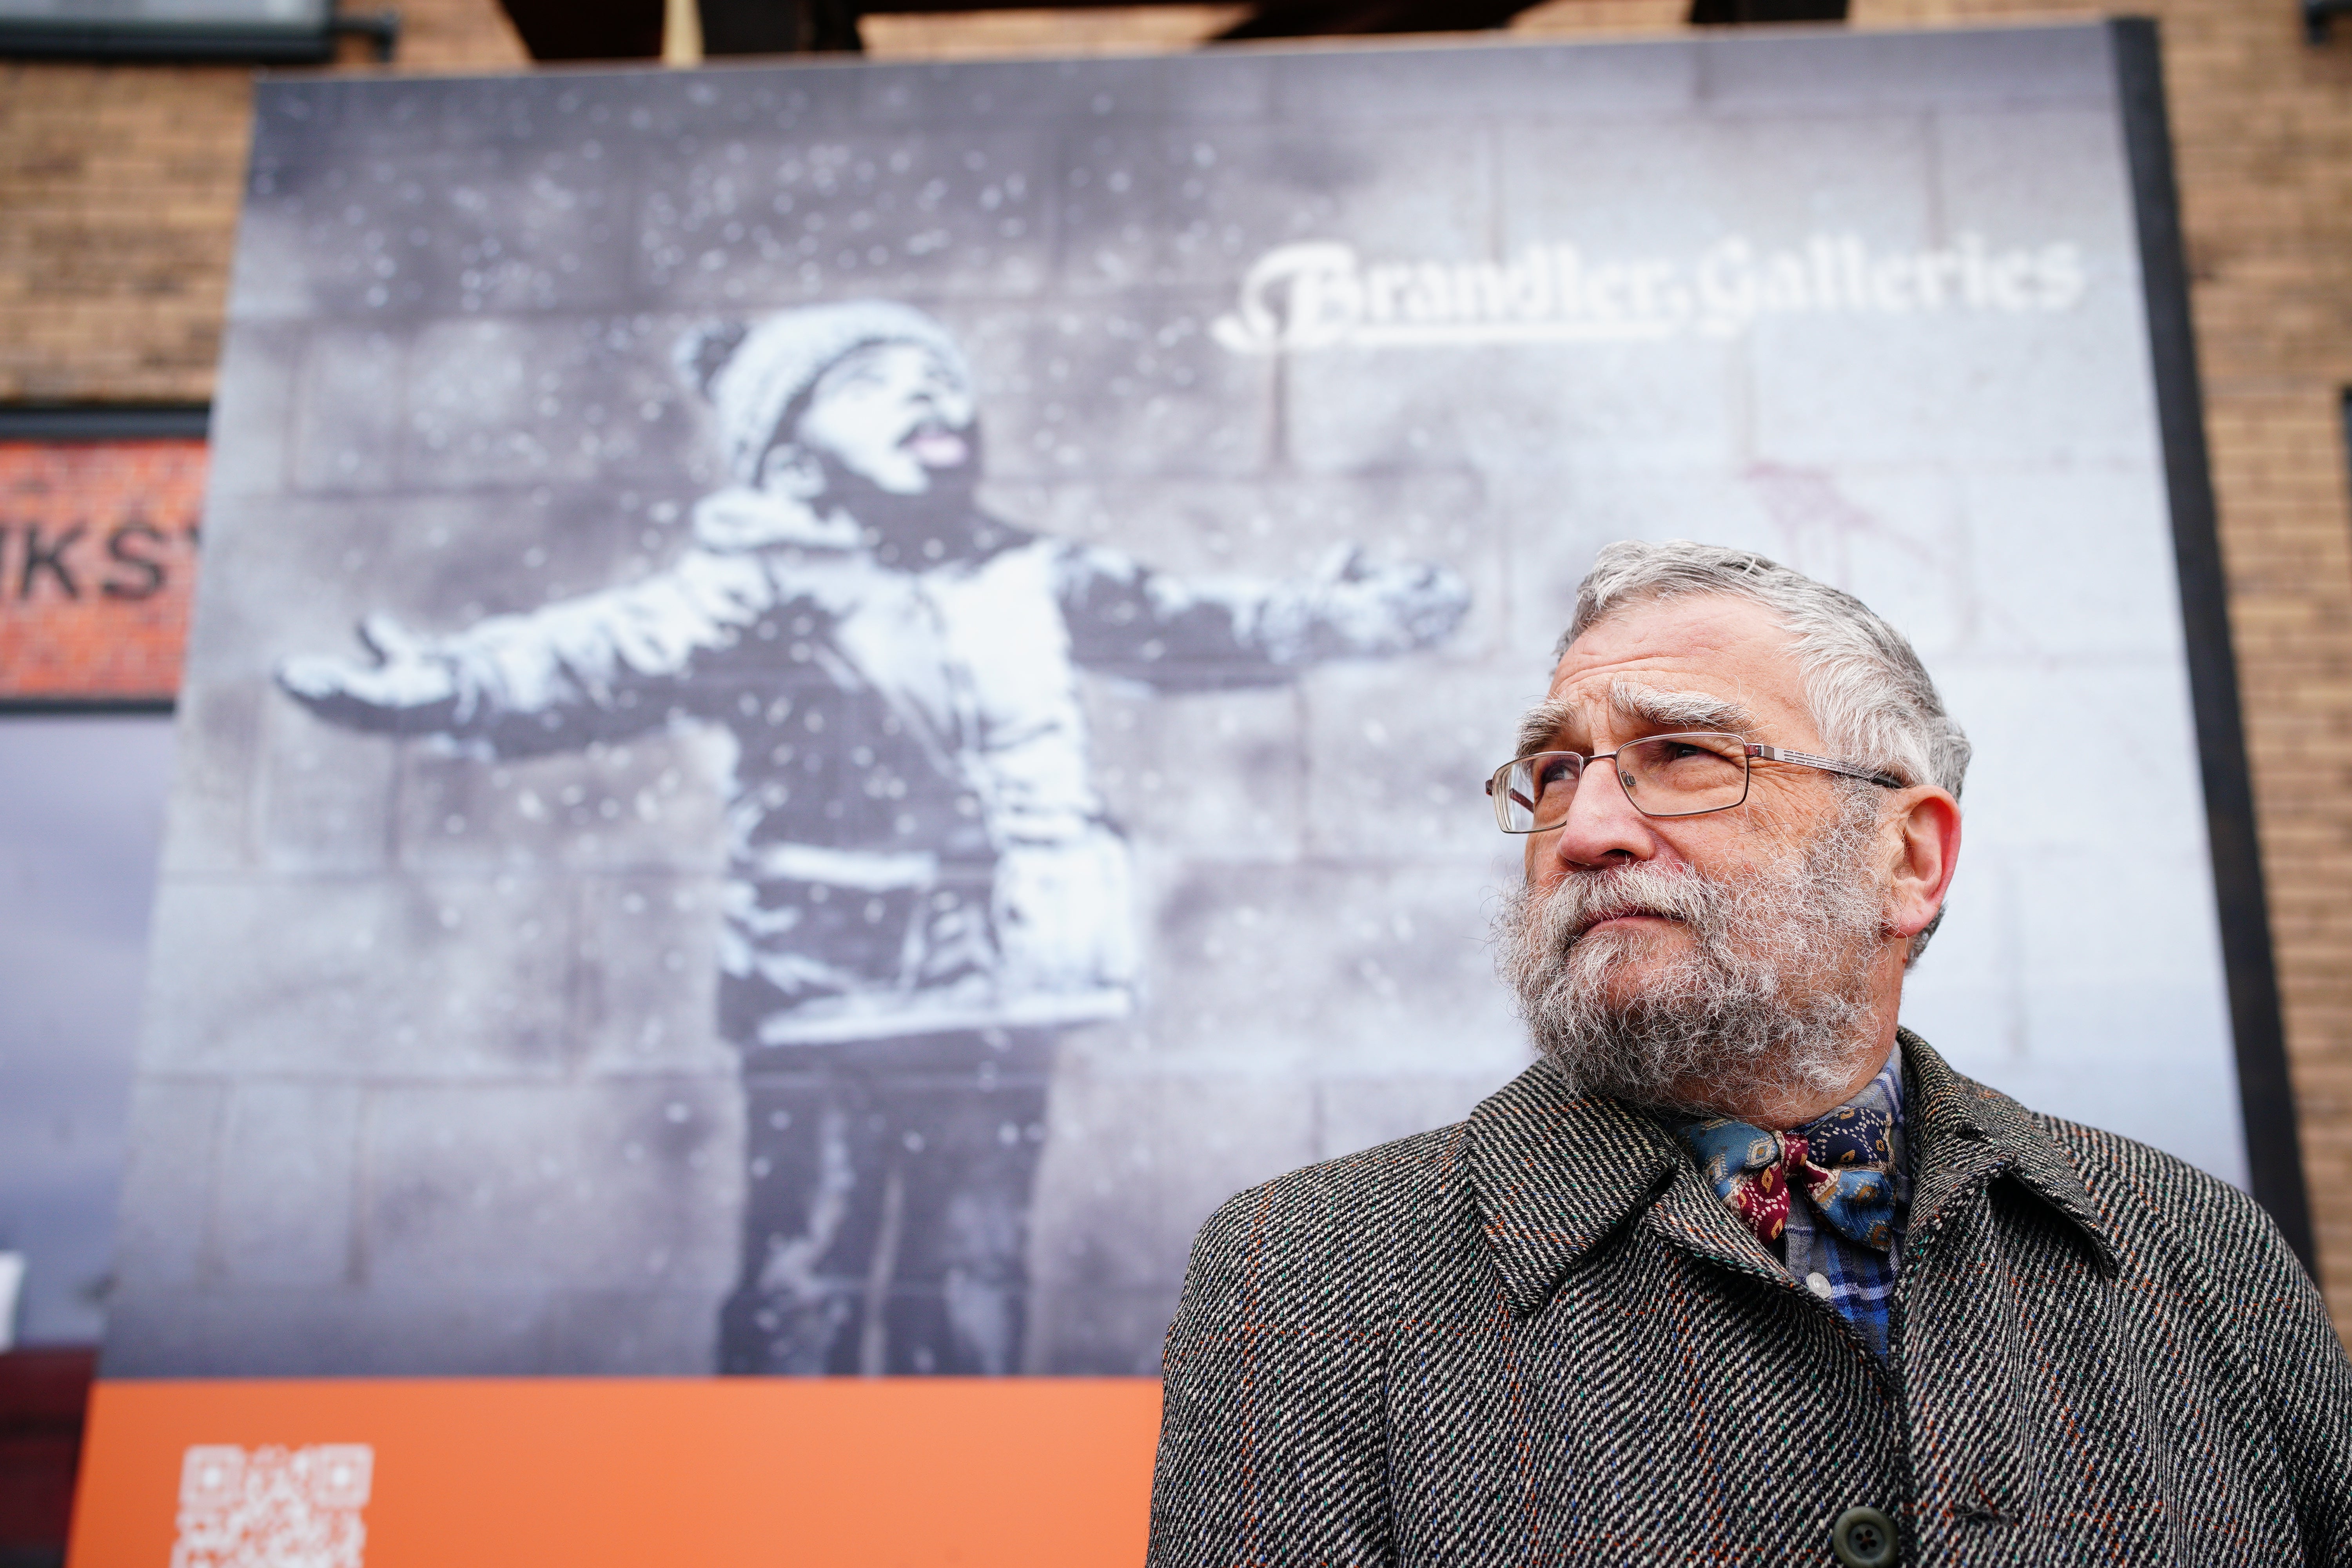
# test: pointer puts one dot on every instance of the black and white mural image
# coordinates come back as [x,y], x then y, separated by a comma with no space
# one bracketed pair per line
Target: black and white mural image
[923,884]
[829,701]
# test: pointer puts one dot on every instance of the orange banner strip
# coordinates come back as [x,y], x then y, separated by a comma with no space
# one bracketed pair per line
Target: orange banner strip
[98,566]
[1037,1472]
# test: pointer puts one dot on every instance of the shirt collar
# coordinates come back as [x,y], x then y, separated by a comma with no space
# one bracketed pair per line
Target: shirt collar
[1555,1173]
[1886,1089]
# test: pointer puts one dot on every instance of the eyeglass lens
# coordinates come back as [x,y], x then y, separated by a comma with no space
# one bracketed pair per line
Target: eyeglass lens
[1664,775]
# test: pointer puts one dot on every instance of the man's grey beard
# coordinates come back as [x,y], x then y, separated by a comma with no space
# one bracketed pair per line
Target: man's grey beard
[1770,993]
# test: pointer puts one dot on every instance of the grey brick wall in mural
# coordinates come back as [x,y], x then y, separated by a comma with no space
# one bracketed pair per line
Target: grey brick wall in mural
[479,1026]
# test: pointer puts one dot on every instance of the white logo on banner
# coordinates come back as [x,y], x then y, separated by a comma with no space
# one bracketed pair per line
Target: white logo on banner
[273,1508]
[1319,294]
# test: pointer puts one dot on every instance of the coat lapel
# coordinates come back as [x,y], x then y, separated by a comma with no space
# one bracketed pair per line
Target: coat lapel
[1689,1215]
[1963,1135]
[1554,1174]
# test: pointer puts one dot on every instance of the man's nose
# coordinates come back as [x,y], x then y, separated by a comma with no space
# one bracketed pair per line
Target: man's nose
[1602,828]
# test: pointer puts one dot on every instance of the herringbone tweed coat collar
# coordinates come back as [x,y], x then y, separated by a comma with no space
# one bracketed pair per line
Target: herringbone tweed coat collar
[1556,1173]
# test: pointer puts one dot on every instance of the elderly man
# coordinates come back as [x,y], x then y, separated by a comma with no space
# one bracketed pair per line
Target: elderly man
[1739,1271]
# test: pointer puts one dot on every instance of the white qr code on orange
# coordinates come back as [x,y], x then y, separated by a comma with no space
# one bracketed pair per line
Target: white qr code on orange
[273,1507]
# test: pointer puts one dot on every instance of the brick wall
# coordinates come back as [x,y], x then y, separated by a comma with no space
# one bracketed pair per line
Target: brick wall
[121,183]
[121,187]
[121,203]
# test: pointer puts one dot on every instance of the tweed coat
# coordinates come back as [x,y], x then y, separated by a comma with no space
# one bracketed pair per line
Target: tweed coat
[1538,1336]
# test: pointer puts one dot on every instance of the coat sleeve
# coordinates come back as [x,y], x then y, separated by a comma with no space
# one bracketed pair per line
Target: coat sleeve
[1271,1432]
[1125,619]
[2306,1384]
[602,665]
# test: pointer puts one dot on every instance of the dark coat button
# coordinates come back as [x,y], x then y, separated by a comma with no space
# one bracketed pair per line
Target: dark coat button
[1863,1538]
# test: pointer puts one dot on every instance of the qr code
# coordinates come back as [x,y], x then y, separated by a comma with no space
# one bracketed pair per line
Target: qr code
[273,1508]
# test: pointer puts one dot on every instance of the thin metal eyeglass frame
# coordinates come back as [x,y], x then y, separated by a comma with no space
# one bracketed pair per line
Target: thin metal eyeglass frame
[1749,755]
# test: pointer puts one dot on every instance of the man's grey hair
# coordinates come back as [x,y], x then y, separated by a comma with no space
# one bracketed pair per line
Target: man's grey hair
[1871,697]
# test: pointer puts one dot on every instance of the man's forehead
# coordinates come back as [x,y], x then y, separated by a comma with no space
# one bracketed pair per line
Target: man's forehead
[1708,641]
[1686,648]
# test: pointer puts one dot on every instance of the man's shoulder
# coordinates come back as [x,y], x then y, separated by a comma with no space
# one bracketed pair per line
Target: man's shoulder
[1359,1209]
[2160,1214]
[2157,1199]
[2095,1149]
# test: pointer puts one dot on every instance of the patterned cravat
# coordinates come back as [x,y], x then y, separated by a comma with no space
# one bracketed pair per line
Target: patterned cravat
[1845,1162]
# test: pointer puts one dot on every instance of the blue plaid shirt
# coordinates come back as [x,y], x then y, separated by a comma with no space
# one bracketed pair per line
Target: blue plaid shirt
[1857,1280]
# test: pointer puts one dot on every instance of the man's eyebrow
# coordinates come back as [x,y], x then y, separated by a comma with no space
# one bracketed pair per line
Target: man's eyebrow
[1678,710]
[1543,722]
[1640,705]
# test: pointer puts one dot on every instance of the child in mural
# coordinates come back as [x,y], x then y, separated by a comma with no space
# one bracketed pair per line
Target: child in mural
[922,888]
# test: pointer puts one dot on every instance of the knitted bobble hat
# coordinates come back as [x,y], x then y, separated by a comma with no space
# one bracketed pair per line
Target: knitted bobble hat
[754,372]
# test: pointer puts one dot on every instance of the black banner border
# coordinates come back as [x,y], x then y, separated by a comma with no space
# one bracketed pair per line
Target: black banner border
[2265,1086]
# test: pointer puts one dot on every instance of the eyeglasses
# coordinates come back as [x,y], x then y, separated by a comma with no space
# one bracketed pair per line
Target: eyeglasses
[1663,775]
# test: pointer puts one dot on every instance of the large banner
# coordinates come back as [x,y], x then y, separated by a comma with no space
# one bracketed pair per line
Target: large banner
[829,701]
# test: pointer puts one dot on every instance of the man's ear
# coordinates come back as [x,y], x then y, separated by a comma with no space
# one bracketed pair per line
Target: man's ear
[1926,828]
[792,471]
